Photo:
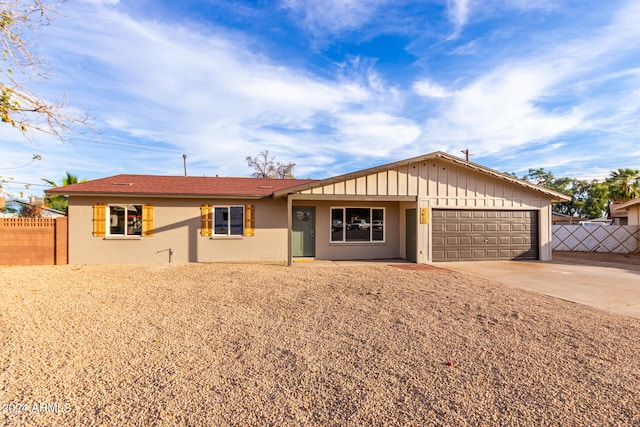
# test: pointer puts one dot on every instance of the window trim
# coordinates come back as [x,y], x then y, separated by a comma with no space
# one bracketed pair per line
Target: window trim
[228,235]
[344,240]
[125,235]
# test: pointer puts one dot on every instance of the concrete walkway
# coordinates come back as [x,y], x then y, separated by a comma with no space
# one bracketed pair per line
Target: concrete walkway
[616,289]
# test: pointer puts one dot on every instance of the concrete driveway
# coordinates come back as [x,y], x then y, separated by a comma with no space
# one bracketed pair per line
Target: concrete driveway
[612,287]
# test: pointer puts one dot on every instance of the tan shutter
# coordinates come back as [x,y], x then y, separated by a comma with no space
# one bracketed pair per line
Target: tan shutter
[99,219]
[147,220]
[206,219]
[249,221]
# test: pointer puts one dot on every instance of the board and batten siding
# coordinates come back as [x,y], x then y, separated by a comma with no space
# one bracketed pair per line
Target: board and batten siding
[446,185]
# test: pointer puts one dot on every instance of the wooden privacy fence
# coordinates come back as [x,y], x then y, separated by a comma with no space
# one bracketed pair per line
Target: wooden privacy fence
[622,239]
[33,241]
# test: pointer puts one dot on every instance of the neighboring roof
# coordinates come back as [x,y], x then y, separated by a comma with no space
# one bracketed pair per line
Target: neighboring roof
[161,185]
[569,219]
[44,210]
[555,196]
[620,210]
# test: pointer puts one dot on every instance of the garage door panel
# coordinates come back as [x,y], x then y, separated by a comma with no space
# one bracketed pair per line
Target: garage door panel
[451,240]
[484,235]
[478,240]
[438,254]
[452,255]
[479,254]
[517,240]
[477,226]
[437,227]
[491,241]
[435,214]
[492,254]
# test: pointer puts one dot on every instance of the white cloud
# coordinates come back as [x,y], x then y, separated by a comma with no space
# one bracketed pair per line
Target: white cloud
[507,107]
[204,92]
[376,134]
[429,89]
[332,16]
[214,98]
[458,11]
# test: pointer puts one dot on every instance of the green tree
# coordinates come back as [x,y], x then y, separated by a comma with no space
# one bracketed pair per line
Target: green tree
[20,107]
[60,202]
[624,185]
[595,205]
[566,186]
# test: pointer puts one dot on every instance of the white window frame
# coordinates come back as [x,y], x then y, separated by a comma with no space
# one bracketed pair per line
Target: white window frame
[125,233]
[215,234]
[344,226]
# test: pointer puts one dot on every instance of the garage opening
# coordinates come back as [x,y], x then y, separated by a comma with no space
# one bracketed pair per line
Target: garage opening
[482,235]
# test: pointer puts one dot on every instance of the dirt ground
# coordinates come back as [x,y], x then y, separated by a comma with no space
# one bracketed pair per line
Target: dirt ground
[630,261]
[233,344]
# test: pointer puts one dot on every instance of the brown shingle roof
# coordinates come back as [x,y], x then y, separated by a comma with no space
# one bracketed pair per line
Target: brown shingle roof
[161,185]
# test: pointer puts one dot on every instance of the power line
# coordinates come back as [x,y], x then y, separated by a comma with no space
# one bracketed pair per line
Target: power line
[33,159]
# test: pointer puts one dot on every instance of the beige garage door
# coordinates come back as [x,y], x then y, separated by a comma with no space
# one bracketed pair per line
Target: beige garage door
[476,235]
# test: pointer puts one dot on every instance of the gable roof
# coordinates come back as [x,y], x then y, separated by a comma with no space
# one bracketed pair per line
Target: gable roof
[555,196]
[185,186]
[621,210]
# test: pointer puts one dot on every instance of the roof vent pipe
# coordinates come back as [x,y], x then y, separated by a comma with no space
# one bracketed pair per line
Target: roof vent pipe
[184,159]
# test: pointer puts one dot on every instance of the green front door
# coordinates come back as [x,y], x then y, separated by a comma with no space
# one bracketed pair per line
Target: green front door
[411,245]
[303,230]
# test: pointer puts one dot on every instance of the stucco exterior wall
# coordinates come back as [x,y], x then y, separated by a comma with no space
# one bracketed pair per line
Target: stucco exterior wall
[325,249]
[177,228]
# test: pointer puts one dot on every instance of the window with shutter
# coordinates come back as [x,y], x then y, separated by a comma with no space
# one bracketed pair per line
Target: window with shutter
[99,219]
[249,222]
[206,220]
[147,220]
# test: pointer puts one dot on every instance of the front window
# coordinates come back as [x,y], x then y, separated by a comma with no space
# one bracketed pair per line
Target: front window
[357,224]
[125,220]
[228,220]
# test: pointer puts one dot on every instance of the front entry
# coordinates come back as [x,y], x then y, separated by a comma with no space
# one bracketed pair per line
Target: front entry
[303,230]
[411,236]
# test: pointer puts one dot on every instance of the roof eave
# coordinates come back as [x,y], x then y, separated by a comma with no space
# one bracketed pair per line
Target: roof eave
[167,196]
[627,205]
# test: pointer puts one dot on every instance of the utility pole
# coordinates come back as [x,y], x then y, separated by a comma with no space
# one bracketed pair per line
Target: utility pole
[466,154]
[184,159]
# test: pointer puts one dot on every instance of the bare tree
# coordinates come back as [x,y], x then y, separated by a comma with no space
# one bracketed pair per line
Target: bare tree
[20,107]
[285,170]
[265,166]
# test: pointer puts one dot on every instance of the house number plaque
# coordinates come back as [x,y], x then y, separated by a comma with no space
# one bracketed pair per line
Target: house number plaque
[424,215]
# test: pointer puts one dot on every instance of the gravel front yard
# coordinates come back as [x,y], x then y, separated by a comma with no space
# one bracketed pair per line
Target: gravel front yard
[231,344]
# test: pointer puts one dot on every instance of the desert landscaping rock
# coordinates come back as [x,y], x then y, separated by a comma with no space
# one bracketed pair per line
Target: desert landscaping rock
[235,344]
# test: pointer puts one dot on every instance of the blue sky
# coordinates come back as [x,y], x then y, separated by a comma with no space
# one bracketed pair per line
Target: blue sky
[338,86]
